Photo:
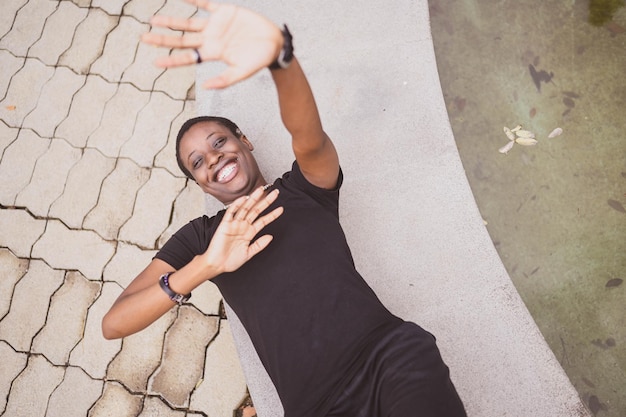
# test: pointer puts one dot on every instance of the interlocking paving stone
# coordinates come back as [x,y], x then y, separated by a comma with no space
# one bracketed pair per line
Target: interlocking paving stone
[84,180]
[117,199]
[93,353]
[116,402]
[118,120]
[52,106]
[12,269]
[10,64]
[57,32]
[29,306]
[18,163]
[177,82]
[119,49]
[67,402]
[73,249]
[24,91]
[143,10]
[149,135]
[49,176]
[27,26]
[127,263]
[140,355]
[155,407]
[19,231]
[9,10]
[153,207]
[188,205]
[207,298]
[224,383]
[139,73]
[88,42]
[86,111]
[185,344]
[166,158]
[7,136]
[113,7]
[12,364]
[32,388]
[66,318]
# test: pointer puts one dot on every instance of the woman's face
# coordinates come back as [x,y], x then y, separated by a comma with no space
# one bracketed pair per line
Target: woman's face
[221,163]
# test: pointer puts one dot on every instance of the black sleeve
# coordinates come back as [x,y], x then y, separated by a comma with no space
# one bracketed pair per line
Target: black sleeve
[189,241]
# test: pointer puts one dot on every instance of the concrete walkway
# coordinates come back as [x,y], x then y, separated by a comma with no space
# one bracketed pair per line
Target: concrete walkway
[89,188]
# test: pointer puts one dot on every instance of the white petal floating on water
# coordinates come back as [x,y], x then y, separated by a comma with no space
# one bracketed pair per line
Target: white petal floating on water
[506,148]
[526,141]
[516,128]
[508,133]
[525,134]
[556,132]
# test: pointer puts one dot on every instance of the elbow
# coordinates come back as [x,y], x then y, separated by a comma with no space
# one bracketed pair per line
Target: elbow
[109,330]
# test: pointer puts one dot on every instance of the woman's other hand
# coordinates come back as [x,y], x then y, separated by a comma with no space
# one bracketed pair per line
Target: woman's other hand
[246,41]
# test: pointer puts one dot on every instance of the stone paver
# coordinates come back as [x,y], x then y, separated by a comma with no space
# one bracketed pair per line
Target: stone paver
[185,343]
[90,391]
[29,306]
[49,177]
[152,122]
[12,269]
[137,74]
[86,111]
[85,178]
[117,199]
[9,11]
[188,205]
[155,407]
[140,355]
[55,99]
[19,231]
[7,136]
[65,322]
[94,353]
[10,64]
[32,388]
[116,402]
[12,364]
[118,120]
[88,42]
[118,52]
[166,158]
[18,162]
[162,186]
[57,32]
[128,261]
[113,7]
[27,26]
[178,83]
[24,91]
[224,383]
[80,249]
[143,10]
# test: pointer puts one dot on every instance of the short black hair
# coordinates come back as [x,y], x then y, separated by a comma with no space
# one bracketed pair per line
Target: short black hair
[227,123]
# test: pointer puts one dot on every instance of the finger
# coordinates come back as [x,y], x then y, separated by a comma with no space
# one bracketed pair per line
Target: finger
[234,208]
[258,245]
[191,24]
[263,221]
[249,203]
[177,60]
[210,6]
[257,203]
[191,40]
[227,78]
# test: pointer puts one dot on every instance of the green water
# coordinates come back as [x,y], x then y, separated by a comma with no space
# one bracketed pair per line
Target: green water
[555,211]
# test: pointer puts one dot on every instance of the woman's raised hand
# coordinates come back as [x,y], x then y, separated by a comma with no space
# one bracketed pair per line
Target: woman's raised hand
[231,245]
[243,39]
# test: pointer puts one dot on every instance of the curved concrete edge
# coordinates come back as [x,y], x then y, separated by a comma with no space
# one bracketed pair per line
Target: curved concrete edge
[406,206]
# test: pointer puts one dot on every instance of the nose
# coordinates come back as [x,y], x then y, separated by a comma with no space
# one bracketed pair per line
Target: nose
[213,158]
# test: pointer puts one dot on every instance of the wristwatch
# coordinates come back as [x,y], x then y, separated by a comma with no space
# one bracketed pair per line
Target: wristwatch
[174,296]
[285,55]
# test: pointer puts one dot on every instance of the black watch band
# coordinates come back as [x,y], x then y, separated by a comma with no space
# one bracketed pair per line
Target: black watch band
[174,296]
[286,53]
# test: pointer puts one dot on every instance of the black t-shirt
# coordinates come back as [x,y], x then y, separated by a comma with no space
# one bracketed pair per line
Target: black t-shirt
[310,315]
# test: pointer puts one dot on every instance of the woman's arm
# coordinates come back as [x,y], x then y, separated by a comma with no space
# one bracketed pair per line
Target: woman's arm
[248,42]
[144,301]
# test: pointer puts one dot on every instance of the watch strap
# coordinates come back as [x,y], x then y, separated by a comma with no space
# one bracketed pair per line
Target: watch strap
[174,296]
[285,56]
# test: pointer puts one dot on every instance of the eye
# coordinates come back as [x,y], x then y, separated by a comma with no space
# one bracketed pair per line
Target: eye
[219,142]
[196,163]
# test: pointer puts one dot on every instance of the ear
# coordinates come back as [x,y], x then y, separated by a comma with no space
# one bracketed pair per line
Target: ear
[247,142]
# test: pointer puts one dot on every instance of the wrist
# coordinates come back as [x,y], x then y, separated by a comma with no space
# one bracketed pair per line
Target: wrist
[285,55]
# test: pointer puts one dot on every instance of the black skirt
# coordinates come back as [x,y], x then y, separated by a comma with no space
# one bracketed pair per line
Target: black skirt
[404,376]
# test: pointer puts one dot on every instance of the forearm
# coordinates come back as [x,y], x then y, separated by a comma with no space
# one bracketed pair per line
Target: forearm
[144,302]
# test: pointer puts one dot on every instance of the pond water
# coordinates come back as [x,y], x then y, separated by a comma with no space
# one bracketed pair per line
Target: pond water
[556,210]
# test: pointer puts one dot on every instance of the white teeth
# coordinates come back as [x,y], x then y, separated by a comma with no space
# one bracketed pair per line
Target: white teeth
[225,172]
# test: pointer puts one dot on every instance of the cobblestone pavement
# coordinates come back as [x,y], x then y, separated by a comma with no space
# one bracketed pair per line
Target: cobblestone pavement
[89,190]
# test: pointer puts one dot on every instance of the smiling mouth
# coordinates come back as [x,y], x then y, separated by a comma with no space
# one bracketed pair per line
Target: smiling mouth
[226,173]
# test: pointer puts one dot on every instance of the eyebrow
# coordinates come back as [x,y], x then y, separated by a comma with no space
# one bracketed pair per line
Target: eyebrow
[194,151]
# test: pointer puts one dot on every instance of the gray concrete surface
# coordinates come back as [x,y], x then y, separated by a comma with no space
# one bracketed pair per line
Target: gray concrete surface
[406,206]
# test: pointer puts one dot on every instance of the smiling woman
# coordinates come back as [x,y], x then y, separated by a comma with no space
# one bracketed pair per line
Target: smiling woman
[278,250]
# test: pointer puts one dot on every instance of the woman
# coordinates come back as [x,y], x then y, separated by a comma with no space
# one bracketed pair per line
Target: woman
[277,251]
